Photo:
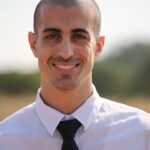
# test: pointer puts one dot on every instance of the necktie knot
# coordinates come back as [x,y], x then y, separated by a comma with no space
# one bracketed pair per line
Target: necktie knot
[67,130]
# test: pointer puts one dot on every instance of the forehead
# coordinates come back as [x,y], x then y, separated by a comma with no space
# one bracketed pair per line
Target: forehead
[57,16]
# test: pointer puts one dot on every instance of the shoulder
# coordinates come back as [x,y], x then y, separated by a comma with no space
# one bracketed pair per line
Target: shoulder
[117,113]
[18,120]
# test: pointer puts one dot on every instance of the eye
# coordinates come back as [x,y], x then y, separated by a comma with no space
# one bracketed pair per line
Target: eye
[53,36]
[80,37]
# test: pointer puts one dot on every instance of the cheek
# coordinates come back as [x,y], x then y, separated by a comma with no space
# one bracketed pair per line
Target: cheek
[88,53]
[44,52]
[43,57]
[90,58]
[83,52]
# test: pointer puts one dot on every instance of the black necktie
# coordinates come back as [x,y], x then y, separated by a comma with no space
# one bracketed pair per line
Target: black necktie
[67,130]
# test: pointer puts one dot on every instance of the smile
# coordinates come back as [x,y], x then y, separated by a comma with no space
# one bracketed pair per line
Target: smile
[66,67]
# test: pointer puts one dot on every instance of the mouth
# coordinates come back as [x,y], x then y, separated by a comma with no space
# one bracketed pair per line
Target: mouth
[70,66]
[66,68]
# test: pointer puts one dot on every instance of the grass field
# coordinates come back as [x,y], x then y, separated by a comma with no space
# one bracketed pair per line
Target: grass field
[11,103]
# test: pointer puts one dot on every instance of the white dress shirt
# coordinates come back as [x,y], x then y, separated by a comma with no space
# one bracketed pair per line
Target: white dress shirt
[106,125]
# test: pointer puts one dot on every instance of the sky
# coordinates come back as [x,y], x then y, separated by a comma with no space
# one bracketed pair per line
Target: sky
[123,21]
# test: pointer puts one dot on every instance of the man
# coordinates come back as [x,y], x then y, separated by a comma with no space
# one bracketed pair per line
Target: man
[67,41]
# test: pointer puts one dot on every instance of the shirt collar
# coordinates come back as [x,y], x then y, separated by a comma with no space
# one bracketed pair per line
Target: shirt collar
[85,113]
[89,110]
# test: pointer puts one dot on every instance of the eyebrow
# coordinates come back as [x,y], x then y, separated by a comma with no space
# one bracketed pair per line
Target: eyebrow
[80,30]
[58,30]
[51,30]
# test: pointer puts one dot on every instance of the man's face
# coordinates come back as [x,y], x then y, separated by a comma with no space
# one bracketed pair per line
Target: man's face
[66,46]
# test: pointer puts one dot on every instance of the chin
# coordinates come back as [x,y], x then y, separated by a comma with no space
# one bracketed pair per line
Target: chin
[65,86]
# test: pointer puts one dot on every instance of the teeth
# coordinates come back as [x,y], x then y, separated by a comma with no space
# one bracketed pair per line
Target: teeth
[65,67]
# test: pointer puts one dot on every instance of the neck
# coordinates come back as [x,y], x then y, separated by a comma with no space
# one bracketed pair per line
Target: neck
[66,101]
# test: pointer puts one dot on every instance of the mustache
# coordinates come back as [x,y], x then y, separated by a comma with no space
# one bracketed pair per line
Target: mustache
[60,59]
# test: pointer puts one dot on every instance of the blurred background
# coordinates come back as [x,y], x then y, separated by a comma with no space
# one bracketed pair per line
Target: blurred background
[122,72]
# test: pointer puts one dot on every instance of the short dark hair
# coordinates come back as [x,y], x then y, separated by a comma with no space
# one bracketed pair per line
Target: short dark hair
[67,3]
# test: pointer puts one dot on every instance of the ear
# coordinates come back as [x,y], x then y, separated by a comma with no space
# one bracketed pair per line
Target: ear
[32,43]
[100,44]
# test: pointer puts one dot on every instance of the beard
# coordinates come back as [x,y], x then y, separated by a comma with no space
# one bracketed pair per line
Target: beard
[65,83]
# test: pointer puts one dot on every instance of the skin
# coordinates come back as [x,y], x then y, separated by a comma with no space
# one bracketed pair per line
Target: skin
[66,48]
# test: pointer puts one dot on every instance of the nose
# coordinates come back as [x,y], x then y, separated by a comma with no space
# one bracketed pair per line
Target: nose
[66,49]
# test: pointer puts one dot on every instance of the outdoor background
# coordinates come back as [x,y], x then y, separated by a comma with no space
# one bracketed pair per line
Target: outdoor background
[122,72]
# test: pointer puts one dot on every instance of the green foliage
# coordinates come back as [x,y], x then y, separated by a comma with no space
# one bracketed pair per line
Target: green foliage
[126,73]
[15,83]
